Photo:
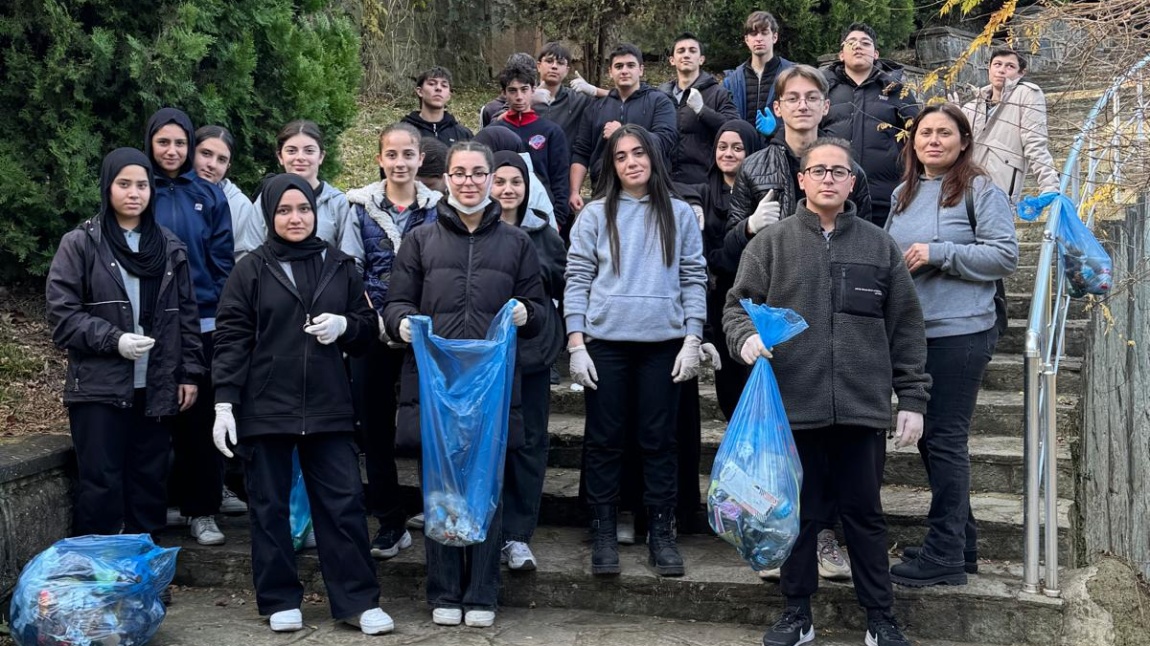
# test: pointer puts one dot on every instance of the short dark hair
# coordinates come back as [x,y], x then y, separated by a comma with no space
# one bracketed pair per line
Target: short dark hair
[517,72]
[860,26]
[686,35]
[837,142]
[556,49]
[1007,51]
[434,157]
[436,72]
[625,49]
[760,21]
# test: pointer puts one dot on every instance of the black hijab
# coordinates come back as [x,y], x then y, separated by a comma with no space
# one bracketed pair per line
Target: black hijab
[718,194]
[508,158]
[163,117]
[305,256]
[497,137]
[147,264]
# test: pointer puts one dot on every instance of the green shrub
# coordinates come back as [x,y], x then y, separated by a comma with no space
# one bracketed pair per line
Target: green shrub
[80,77]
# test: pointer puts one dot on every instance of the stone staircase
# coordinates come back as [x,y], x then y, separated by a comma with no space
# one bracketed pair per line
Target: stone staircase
[719,586]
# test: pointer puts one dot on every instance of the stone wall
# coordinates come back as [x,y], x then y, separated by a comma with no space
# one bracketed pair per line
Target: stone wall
[35,500]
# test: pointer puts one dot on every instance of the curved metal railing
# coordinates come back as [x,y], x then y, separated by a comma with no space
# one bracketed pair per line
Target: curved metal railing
[1107,149]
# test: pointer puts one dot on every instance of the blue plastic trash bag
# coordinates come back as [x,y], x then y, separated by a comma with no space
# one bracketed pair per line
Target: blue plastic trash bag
[298,506]
[753,500]
[93,591]
[465,399]
[1086,265]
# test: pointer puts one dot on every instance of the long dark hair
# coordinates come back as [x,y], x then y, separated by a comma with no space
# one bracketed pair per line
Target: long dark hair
[658,192]
[960,176]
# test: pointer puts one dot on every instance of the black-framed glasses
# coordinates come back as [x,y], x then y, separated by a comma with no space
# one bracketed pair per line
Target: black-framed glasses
[459,177]
[838,173]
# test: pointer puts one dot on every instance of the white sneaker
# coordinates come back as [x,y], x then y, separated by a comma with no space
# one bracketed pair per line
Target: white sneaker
[479,618]
[175,519]
[206,532]
[415,522]
[519,556]
[775,574]
[625,528]
[372,622]
[286,621]
[231,503]
[447,616]
[834,564]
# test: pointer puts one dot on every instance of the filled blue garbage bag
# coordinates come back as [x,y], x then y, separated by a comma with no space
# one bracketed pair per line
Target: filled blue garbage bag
[299,509]
[753,500]
[465,398]
[92,591]
[1081,258]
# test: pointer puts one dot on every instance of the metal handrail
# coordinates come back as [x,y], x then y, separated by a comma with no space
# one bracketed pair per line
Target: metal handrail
[1046,330]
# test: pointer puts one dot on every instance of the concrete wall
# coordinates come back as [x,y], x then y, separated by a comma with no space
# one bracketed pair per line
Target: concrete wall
[35,500]
[1114,465]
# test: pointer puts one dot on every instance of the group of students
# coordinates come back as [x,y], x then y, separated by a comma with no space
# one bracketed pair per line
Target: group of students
[195,318]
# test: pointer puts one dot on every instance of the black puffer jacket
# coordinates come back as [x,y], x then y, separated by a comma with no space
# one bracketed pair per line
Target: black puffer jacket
[461,280]
[449,131]
[776,167]
[280,379]
[870,115]
[694,154]
[89,310]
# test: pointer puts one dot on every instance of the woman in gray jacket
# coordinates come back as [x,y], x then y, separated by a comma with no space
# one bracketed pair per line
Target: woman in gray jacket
[956,230]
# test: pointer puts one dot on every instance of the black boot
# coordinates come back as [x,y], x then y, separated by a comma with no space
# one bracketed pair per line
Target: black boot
[921,573]
[604,545]
[970,557]
[664,554]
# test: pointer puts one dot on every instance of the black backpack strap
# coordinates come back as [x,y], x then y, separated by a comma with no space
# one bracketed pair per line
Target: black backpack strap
[1000,311]
[969,199]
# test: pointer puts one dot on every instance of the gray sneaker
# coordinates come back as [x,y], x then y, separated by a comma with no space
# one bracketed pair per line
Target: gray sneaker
[231,504]
[834,564]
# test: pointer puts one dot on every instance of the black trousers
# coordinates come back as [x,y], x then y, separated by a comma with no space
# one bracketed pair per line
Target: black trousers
[197,482]
[330,466]
[465,577]
[375,377]
[841,460]
[526,466]
[122,457]
[634,386]
[688,439]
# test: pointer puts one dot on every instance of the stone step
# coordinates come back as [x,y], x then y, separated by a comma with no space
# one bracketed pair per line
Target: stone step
[998,515]
[718,587]
[1006,372]
[997,412]
[1013,341]
[1018,307]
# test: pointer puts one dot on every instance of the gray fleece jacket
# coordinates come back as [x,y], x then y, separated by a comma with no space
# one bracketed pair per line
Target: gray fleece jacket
[866,334]
[957,289]
[646,300]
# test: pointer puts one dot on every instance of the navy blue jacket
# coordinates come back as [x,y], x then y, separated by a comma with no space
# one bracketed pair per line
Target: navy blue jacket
[550,156]
[748,102]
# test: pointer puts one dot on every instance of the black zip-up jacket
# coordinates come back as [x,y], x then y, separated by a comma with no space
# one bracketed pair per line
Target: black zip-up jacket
[694,154]
[866,335]
[646,107]
[89,310]
[461,280]
[280,379]
[775,167]
[448,132]
[870,115]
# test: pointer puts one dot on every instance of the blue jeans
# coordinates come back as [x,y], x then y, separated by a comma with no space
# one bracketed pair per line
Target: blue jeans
[956,365]
[465,577]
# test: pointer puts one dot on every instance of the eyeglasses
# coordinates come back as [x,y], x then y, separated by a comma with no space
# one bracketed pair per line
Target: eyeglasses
[792,100]
[859,43]
[459,177]
[838,173]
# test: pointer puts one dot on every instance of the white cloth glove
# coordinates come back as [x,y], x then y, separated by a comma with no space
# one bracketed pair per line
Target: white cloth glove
[694,100]
[541,95]
[326,328]
[708,352]
[382,330]
[583,368]
[753,348]
[765,214]
[699,215]
[687,362]
[908,429]
[133,346]
[580,85]
[519,314]
[405,330]
[224,429]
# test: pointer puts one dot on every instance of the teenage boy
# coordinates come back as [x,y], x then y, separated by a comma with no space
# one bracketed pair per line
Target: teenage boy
[433,87]
[631,101]
[546,143]
[752,84]
[869,107]
[564,106]
[703,106]
[197,212]
[837,377]
[1008,119]
[497,106]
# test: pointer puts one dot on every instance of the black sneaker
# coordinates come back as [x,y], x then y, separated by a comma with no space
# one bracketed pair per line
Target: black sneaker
[970,557]
[388,542]
[885,631]
[920,573]
[793,628]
